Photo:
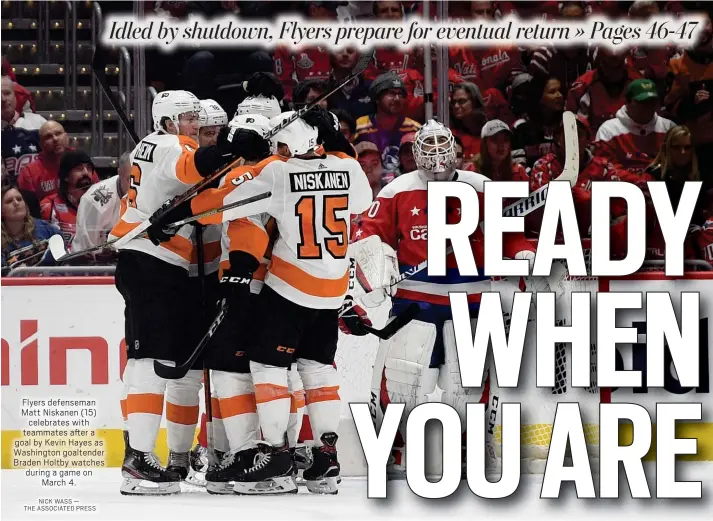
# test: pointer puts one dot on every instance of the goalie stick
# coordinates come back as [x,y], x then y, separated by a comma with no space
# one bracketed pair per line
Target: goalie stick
[395,323]
[64,256]
[360,67]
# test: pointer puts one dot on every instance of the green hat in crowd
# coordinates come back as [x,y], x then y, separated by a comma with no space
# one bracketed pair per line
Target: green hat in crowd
[641,90]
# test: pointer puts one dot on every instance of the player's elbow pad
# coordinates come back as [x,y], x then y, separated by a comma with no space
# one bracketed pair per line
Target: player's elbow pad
[208,160]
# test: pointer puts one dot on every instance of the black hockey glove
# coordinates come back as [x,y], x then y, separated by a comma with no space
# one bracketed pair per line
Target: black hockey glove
[330,137]
[243,142]
[353,320]
[265,84]
[158,231]
[235,282]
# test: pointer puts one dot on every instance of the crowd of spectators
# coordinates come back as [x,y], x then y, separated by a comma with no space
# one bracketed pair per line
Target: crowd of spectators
[644,113]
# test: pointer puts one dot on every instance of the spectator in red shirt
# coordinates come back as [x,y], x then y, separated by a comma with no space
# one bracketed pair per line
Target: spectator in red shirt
[632,139]
[40,176]
[495,158]
[598,94]
[468,117]
[24,102]
[534,132]
[75,177]
[650,62]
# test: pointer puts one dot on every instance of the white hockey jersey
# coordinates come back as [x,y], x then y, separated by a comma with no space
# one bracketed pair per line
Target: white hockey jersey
[312,202]
[162,167]
[97,213]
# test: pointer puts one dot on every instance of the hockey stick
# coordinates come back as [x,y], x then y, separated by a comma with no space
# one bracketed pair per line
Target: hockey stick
[64,256]
[395,323]
[170,372]
[360,67]
[570,172]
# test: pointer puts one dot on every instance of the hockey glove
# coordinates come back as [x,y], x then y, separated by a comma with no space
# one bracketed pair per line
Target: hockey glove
[353,320]
[235,282]
[329,135]
[265,84]
[243,142]
[159,232]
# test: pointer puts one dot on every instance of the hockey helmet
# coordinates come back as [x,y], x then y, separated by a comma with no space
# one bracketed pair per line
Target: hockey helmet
[268,107]
[299,137]
[212,114]
[171,104]
[434,151]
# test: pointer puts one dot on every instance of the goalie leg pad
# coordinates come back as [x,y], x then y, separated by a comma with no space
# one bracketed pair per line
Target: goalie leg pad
[182,412]
[236,398]
[374,266]
[144,404]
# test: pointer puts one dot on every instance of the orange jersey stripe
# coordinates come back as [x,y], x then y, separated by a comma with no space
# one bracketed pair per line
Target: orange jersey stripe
[182,414]
[306,283]
[246,236]
[237,405]
[322,394]
[146,403]
[124,408]
[268,392]
[215,410]
[186,165]
[260,272]
[297,401]
[180,246]
[121,227]
[211,251]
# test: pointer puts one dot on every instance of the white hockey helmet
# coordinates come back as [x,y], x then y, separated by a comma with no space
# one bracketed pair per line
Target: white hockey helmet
[299,137]
[256,122]
[268,107]
[212,114]
[434,151]
[171,104]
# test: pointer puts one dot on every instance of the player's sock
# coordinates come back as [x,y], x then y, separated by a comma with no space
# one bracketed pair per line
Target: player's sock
[272,398]
[144,405]
[297,406]
[220,437]
[236,399]
[321,384]
[182,398]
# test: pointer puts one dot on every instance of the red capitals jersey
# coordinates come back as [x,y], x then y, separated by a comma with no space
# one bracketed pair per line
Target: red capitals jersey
[309,63]
[56,210]
[393,60]
[597,169]
[704,240]
[590,99]
[399,216]
[414,82]
[488,67]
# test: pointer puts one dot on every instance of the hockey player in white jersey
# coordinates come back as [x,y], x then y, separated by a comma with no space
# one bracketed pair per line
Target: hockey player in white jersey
[100,207]
[212,118]
[267,106]
[409,365]
[162,305]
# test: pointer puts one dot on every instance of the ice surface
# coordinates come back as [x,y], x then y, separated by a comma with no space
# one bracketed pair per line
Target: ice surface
[102,490]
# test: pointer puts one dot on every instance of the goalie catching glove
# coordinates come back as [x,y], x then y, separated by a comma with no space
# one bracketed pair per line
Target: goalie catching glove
[354,318]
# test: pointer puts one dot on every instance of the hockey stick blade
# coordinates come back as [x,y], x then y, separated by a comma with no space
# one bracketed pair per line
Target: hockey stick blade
[395,324]
[570,172]
[170,372]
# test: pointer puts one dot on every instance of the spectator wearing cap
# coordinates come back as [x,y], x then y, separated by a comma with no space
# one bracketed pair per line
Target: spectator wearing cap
[10,114]
[534,131]
[406,160]
[495,158]
[354,96]
[370,161]
[632,139]
[690,98]
[75,177]
[388,125]
[467,117]
[40,176]
[599,93]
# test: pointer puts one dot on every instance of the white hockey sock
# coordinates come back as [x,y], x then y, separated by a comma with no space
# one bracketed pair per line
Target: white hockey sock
[220,438]
[297,405]
[236,397]
[144,405]
[126,377]
[272,398]
[321,384]
[182,398]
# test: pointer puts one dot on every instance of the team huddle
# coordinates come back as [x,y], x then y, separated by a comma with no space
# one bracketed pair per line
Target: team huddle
[286,270]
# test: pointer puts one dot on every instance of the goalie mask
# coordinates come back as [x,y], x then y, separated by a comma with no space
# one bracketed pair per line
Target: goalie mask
[268,107]
[434,150]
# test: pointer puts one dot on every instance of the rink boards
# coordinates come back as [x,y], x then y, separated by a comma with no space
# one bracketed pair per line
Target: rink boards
[63,339]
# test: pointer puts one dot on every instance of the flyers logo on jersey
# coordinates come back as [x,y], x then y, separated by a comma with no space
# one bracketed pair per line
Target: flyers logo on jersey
[144,152]
[317,181]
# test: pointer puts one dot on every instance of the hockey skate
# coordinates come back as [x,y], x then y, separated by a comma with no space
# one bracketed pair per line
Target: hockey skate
[302,456]
[396,465]
[144,476]
[270,472]
[200,461]
[179,463]
[323,476]
[219,479]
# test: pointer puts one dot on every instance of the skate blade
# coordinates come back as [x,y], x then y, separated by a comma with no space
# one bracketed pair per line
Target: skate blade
[272,486]
[395,475]
[196,478]
[143,487]
[323,486]
[219,487]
